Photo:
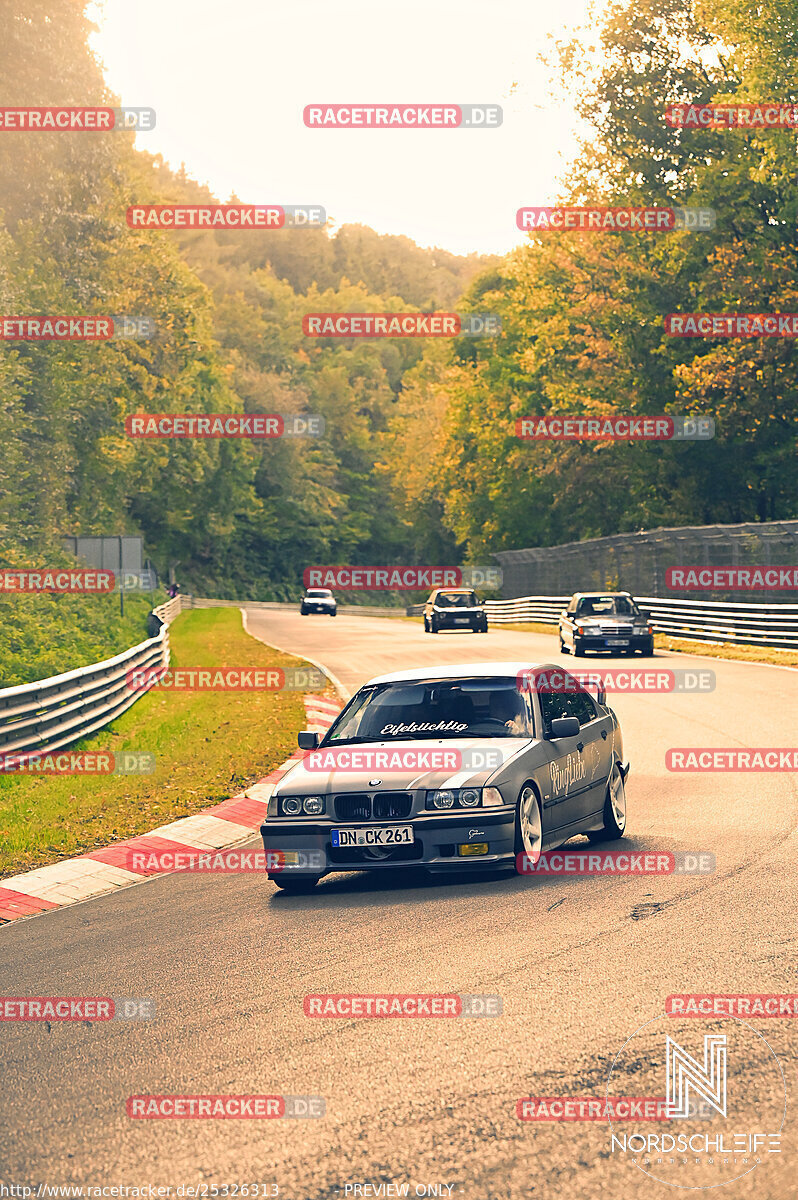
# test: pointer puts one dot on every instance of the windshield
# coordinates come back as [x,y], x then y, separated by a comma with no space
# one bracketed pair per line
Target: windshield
[456,600]
[434,708]
[319,593]
[606,606]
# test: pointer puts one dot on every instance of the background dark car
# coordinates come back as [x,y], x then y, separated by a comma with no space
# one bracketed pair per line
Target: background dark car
[318,600]
[454,608]
[609,621]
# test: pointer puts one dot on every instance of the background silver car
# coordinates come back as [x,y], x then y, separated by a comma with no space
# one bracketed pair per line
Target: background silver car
[538,760]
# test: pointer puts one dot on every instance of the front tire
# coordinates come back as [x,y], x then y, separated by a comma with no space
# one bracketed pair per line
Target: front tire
[433,625]
[528,826]
[579,650]
[614,809]
[563,647]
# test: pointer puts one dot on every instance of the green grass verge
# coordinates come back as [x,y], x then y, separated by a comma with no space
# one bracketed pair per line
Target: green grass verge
[44,635]
[208,747]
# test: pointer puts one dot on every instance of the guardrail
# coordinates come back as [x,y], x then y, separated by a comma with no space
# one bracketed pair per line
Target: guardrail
[773,625]
[49,714]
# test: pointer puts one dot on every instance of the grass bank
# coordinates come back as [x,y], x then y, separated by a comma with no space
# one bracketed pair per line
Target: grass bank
[207,745]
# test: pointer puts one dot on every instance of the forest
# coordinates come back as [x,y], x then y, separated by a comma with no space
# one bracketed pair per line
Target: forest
[419,462]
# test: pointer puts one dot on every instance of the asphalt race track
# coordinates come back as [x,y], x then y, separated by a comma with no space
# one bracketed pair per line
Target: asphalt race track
[580,964]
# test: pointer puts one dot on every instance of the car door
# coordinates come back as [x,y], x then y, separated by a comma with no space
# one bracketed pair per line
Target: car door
[595,738]
[568,621]
[578,766]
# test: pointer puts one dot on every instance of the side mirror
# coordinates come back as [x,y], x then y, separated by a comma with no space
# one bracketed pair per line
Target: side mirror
[564,612]
[483,602]
[563,727]
[601,693]
[307,740]
[645,616]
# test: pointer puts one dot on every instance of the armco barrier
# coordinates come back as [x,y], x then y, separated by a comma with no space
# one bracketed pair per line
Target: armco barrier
[52,713]
[700,620]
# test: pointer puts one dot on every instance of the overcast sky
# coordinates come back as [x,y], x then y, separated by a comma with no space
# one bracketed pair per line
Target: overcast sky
[229,83]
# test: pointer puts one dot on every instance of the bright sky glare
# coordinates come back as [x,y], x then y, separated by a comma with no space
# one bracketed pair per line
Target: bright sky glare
[229,83]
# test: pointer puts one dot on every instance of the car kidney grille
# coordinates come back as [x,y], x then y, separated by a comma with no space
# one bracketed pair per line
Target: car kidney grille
[392,805]
[613,630]
[356,806]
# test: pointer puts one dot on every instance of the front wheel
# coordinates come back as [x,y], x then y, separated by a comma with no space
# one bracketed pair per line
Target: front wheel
[528,826]
[298,887]
[563,647]
[614,809]
[426,625]
[433,625]
[579,650]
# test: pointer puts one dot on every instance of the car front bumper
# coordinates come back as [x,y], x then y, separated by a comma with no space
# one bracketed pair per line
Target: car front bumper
[463,621]
[437,837]
[644,642]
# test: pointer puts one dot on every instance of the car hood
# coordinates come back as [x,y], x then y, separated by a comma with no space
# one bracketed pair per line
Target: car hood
[302,780]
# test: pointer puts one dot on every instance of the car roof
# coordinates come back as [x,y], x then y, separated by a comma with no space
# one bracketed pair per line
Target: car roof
[589,595]
[465,671]
[468,590]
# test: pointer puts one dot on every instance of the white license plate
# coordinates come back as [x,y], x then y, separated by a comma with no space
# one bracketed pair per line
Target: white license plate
[617,641]
[388,835]
[461,620]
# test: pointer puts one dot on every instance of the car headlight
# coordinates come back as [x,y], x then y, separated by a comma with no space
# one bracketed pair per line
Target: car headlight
[313,805]
[643,629]
[291,806]
[456,798]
